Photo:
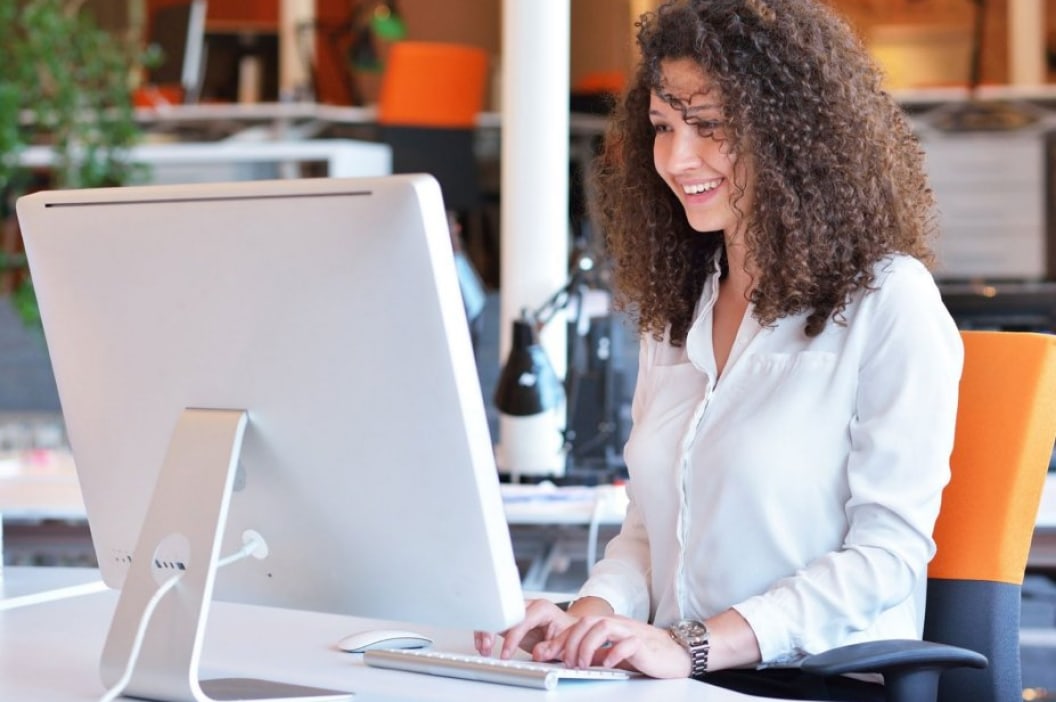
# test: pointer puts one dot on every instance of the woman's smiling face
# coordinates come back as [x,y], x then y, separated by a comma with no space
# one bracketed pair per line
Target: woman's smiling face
[691,152]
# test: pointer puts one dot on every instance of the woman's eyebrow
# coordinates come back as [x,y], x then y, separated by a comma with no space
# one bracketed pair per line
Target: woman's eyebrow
[694,110]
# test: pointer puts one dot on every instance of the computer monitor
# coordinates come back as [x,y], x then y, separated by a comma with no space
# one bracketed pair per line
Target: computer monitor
[323,318]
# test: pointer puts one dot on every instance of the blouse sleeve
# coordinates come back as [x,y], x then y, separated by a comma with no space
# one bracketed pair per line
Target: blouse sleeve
[901,440]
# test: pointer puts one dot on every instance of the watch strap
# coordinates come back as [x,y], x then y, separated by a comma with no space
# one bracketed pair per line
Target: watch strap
[694,637]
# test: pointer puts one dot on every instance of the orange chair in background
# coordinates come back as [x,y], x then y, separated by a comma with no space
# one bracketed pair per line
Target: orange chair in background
[433,84]
[1006,425]
[428,103]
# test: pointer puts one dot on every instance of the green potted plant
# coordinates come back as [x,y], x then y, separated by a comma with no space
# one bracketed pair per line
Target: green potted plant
[67,83]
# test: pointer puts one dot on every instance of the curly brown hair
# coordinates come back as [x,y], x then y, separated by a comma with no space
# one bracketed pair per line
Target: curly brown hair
[839,173]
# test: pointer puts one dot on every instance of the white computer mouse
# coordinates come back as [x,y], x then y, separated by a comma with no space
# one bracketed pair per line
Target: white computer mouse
[382,638]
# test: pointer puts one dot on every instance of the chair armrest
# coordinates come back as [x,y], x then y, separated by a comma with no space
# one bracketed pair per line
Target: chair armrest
[911,668]
[893,654]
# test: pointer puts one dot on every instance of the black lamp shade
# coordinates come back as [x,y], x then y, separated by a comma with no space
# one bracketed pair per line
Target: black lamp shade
[527,385]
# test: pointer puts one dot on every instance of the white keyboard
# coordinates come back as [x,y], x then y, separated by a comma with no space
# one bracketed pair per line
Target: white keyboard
[485,669]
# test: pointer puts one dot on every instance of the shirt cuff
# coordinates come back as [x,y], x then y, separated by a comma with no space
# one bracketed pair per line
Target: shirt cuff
[771,631]
[627,601]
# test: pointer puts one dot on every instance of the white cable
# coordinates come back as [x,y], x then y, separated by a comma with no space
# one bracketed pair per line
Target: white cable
[254,545]
[114,692]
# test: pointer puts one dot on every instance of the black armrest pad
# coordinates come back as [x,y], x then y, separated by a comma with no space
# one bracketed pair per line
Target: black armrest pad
[894,654]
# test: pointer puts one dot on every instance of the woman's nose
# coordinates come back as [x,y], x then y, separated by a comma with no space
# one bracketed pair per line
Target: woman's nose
[684,153]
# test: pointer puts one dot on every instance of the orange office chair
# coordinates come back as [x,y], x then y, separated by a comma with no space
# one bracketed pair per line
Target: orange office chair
[1006,425]
[430,96]
[429,99]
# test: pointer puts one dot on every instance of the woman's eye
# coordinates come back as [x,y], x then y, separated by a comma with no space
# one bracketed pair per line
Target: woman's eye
[661,128]
[707,127]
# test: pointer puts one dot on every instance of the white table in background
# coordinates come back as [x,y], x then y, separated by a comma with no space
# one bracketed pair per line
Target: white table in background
[308,117]
[560,523]
[238,159]
[39,484]
[43,485]
[22,586]
[41,509]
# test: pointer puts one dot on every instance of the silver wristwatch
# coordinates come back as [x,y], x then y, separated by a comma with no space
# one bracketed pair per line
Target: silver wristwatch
[693,635]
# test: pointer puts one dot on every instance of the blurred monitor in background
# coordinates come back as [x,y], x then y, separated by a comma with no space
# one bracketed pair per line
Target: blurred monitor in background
[178,32]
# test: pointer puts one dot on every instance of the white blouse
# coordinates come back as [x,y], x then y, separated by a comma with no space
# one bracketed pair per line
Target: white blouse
[801,487]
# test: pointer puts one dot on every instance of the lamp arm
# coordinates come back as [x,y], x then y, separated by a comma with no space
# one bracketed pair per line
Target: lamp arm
[542,315]
[574,289]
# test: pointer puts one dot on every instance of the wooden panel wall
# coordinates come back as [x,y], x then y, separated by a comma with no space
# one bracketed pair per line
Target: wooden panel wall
[249,12]
[601,29]
[869,15]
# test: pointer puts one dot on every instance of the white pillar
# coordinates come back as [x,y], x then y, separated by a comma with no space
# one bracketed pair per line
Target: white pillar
[1026,42]
[534,223]
[296,30]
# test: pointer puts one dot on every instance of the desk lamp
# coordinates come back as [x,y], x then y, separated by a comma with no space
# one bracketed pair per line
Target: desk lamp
[528,384]
[531,395]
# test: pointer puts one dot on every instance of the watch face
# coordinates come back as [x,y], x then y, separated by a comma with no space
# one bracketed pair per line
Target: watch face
[692,632]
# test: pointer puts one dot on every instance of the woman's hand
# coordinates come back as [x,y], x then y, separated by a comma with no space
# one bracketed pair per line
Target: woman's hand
[617,642]
[542,621]
[589,634]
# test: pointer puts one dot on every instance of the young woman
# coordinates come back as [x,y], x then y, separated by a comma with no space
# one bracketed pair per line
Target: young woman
[768,216]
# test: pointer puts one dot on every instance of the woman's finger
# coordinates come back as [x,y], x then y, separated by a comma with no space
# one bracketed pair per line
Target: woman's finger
[594,640]
[538,618]
[616,655]
[573,639]
[483,642]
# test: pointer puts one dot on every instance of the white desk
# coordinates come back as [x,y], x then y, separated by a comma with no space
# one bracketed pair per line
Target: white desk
[51,652]
[188,162]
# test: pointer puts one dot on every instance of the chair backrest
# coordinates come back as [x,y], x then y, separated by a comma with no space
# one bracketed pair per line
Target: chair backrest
[430,96]
[432,84]
[1006,426]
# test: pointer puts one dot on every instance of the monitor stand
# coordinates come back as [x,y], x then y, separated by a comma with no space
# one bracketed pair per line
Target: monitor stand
[181,535]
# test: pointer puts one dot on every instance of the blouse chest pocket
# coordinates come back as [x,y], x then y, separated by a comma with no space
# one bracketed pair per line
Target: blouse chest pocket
[789,363]
[807,381]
